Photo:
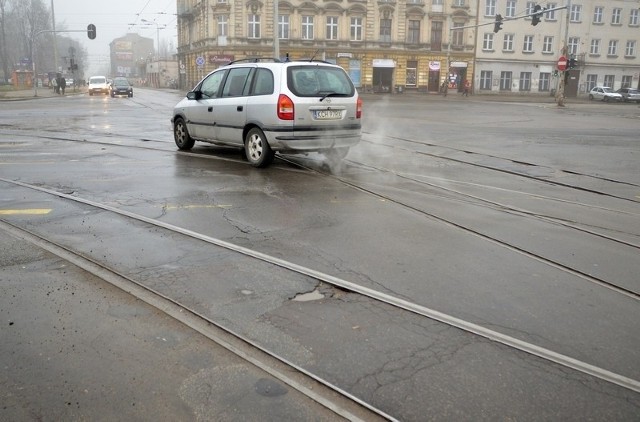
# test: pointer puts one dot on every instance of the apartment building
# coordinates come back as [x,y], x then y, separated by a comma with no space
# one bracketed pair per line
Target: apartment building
[392,45]
[385,45]
[521,58]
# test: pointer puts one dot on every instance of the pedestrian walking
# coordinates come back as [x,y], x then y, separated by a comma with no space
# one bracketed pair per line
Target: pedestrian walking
[467,87]
[62,83]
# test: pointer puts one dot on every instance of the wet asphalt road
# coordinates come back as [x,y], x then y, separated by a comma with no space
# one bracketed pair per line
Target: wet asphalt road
[429,161]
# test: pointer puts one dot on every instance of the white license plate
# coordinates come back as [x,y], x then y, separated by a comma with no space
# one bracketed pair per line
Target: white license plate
[327,114]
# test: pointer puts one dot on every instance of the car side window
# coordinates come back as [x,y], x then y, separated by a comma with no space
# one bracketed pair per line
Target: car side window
[236,83]
[263,82]
[211,85]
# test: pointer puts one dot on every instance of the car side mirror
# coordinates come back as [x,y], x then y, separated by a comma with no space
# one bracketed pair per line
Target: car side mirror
[194,95]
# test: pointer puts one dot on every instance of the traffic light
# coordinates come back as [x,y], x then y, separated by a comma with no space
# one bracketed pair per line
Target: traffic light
[498,24]
[537,14]
[572,63]
[91,31]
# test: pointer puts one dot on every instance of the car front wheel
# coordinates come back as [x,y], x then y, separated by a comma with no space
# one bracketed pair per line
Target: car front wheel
[257,149]
[590,97]
[181,136]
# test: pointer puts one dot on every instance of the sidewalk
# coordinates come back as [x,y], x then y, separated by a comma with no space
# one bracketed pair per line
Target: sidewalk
[30,93]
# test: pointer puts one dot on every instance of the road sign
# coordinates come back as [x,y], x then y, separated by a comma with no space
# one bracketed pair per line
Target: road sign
[562,63]
[200,61]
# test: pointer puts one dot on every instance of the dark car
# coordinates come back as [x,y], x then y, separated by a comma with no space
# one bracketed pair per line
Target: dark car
[121,86]
[629,94]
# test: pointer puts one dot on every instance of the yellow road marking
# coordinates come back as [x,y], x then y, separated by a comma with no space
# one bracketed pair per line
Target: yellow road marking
[34,211]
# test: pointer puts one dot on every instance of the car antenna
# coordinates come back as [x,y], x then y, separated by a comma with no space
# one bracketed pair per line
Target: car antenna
[314,55]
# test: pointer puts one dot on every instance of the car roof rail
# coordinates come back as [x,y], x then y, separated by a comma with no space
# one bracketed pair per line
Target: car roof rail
[255,60]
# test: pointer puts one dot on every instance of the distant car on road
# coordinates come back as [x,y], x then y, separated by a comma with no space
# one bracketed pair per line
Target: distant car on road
[69,82]
[604,93]
[629,94]
[99,85]
[121,86]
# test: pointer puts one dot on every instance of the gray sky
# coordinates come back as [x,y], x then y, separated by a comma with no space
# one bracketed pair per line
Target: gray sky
[114,19]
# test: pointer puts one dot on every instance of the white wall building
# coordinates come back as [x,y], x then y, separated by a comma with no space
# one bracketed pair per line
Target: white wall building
[602,35]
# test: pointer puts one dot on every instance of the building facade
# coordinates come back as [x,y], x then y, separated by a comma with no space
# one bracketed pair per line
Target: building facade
[521,58]
[385,45]
[391,45]
[130,55]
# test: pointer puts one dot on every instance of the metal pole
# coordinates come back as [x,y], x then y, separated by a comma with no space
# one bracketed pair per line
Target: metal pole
[55,43]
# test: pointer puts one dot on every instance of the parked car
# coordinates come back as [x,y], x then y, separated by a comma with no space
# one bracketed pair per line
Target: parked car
[604,93]
[268,106]
[121,86]
[69,82]
[629,94]
[98,84]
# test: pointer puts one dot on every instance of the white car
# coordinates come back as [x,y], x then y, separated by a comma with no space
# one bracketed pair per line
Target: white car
[604,93]
[267,107]
[98,85]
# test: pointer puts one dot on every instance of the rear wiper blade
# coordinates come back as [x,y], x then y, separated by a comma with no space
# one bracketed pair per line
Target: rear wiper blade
[328,94]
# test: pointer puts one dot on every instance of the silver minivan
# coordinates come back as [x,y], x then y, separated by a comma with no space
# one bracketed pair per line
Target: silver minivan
[266,107]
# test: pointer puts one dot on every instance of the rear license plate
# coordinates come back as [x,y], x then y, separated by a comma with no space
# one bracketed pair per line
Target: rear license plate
[327,114]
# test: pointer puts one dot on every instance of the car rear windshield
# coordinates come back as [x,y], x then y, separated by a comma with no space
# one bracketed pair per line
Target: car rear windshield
[318,80]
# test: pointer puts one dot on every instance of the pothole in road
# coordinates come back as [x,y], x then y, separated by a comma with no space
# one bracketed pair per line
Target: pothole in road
[308,297]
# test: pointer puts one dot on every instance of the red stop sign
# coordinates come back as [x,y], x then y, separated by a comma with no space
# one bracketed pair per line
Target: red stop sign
[562,63]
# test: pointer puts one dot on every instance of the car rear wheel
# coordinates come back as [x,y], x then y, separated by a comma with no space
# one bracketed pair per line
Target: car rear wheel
[181,136]
[257,149]
[605,99]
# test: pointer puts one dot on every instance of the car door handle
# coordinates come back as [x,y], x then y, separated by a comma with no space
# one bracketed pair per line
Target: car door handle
[210,109]
[240,108]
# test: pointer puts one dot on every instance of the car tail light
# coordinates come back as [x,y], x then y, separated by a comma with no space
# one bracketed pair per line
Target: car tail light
[359,108]
[286,109]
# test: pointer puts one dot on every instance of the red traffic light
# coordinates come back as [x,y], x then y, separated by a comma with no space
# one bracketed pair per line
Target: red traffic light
[91,31]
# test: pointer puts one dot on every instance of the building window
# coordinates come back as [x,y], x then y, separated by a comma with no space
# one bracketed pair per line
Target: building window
[576,13]
[487,41]
[436,36]
[507,43]
[223,25]
[544,83]
[627,81]
[332,27]
[412,73]
[616,16]
[609,80]
[551,15]
[595,47]
[511,9]
[485,80]
[413,32]
[490,7]
[437,2]
[529,8]
[634,17]
[547,44]
[592,81]
[459,3]
[613,48]
[527,46]
[307,27]
[283,27]
[598,14]
[356,29]
[630,49]
[385,30]
[458,35]
[525,81]
[505,81]
[574,43]
[254,26]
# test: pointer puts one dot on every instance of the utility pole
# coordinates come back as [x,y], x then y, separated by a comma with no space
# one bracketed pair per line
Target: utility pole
[55,40]
[565,52]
